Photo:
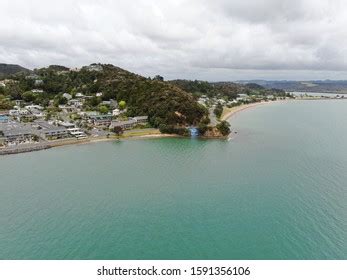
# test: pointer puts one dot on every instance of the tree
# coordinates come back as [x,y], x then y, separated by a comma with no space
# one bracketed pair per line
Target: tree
[103,109]
[60,100]
[158,78]
[122,104]
[13,90]
[5,103]
[118,130]
[202,128]
[28,96]
[218,110]
[224,128]
[94,101]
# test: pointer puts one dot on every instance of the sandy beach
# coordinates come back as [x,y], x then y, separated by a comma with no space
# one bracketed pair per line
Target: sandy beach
[230,112]
[125,136]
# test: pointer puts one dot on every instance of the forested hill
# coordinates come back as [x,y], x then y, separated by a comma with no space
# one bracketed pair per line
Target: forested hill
[228,90]
[9,69]
[163,102]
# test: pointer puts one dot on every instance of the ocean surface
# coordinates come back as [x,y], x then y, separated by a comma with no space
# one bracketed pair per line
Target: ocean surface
[276,190]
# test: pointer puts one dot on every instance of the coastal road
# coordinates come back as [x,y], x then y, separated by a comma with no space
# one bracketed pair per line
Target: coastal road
[212,116]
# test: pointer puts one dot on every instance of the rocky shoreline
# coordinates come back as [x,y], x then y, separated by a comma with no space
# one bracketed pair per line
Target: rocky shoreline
[24,149]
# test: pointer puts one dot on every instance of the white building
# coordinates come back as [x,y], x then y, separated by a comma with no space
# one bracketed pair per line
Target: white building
[37,90]
[31,107]
[38,82]
[221,101]
[67,96]
[115,112]
[19,112]
[77,132]
[79,95]
[75,102]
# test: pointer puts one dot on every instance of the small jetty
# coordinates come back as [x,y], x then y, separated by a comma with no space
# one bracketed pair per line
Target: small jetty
[24,148]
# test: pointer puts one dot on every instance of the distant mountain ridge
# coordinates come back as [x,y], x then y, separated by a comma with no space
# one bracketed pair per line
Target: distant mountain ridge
[332,86]
[10,69]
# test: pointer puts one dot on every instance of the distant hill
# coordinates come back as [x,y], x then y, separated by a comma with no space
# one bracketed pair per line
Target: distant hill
[10,69]
[304,86]
[224,89]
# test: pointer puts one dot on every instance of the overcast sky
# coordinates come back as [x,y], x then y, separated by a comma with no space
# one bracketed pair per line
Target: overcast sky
[193,39]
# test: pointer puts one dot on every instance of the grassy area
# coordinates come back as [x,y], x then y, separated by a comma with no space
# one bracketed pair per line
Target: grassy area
[137,133]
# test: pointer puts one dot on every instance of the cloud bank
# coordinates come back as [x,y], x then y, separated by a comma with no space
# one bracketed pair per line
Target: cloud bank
[195,39]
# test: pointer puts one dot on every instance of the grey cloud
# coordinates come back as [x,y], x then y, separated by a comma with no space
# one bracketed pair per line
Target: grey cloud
[214,40]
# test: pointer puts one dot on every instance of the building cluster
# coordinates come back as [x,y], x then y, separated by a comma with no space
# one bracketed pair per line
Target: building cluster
[68,115]
[16,133]
[211,102]
[28,123]
[241,98]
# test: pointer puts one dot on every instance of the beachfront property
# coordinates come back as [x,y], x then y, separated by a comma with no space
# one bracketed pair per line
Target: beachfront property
[15,137]
[123,124]
[77,133]
[129,124]
[16,133]
[73,130]
[49,131]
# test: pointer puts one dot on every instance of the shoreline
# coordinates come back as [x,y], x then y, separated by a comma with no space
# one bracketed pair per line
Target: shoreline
[234,110]
[69,142]
[128,135]
[91,140]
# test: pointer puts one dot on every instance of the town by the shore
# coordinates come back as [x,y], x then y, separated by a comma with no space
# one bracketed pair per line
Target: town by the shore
[49,107]
[144,133]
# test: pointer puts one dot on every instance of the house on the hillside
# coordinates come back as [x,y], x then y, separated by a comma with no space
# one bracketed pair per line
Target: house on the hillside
[67,96]
[100,120]
[141,119]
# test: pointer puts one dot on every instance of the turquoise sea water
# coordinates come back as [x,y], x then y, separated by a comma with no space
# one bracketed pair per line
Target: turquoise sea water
[277,190]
